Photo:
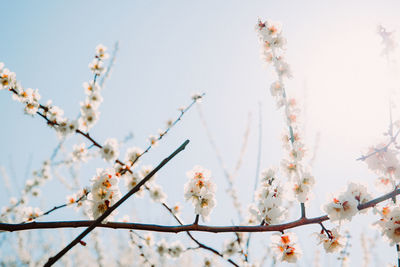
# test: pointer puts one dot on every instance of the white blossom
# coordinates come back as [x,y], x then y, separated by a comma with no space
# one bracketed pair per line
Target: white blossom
[7,78]
[230,248]
[332,243]
[162,248]
[79,153]
[132,154]
[389,224]
[176,249]
[153,140]
[156,193]
[101,52]
[131,180]
[104,193]
[285,247]
[96,66]
[91,87]
[341,208]
[109,151]
[201,191]
[30,214]
[268,199]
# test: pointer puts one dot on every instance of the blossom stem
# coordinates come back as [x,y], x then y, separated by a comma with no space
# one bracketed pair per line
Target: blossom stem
[326,230]
[303,210]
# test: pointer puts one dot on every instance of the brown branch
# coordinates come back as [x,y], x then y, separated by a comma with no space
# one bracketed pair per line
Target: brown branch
[97,144]
[188,227]
[98,221]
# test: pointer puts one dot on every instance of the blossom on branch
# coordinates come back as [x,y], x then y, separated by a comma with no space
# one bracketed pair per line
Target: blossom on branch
[79,153]
[201,191]
[132,155]
[269,195]
[341,208]
[389,224]
[109,151]
[104,193]
[331,242]
[285,247]
[30,214]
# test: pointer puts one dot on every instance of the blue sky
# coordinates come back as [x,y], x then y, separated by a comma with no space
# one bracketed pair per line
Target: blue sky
[170,49]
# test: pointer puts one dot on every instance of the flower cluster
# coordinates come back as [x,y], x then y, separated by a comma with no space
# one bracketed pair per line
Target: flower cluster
[29,97]
[389,224]
[31,187]
[383,161]
[7,78]
[132,179]
[79,153]
[272,50]
[285,247]
[272,43]
[331,240]
[39,177]
[388,40]
[201,191]
[89,108]
[54,114]
[104,192]
[30,214]
[97,65]
[155,253]
[132,155]
[77,198]
[268,208]
[173,250]
[344,206]
[231,247]
[109,152]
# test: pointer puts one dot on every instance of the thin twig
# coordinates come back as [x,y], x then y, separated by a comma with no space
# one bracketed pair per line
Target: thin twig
[110,65]
[259,145]
[243,148]
[392,140]
[59,207]
[257,168]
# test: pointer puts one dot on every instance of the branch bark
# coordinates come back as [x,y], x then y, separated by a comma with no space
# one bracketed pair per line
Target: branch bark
[188,227]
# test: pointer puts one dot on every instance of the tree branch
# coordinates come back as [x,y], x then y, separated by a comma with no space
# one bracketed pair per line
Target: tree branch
[98,221]
[188,227]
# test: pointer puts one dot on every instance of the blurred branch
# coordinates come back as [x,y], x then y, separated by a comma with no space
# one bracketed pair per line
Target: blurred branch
[110,65]
[229,177]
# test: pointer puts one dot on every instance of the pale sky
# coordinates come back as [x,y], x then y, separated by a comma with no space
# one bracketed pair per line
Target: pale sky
[170,49]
